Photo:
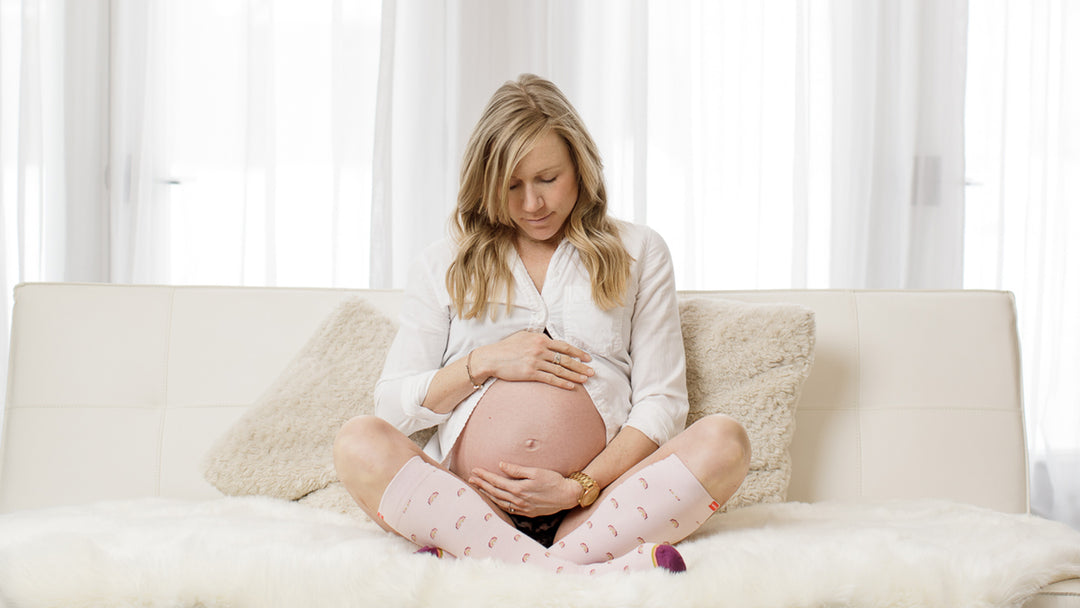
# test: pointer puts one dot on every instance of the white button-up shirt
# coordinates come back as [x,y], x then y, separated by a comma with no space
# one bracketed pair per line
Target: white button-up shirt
[637,349]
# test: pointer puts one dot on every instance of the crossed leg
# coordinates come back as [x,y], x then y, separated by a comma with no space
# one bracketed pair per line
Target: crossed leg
[405,492]
[666,496]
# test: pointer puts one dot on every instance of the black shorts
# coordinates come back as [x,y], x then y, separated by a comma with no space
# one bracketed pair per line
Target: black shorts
[541,529]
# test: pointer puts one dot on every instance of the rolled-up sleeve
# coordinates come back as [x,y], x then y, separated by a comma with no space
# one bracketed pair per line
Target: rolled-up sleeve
[415,356]
[658,372]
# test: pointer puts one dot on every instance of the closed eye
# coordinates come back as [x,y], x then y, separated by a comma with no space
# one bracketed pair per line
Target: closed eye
[515,185]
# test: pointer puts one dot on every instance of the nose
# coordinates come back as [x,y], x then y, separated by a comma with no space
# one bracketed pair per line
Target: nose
[533,201]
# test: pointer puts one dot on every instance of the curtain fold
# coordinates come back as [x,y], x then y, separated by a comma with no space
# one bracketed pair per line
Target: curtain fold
[53,150]
[898,147]
[353,76]
[139,177]
[381,248]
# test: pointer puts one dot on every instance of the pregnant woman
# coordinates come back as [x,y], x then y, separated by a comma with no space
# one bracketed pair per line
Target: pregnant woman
[543,341]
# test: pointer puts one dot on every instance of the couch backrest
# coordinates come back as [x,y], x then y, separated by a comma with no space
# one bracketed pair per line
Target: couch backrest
[116,391]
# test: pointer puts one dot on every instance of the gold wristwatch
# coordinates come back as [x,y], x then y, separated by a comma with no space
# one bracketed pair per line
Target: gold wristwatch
[590,490]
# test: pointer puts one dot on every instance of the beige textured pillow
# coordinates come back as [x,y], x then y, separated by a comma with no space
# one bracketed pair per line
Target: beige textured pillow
[749,361]
[282,446]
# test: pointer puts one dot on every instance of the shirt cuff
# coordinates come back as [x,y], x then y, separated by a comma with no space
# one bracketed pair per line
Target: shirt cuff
[659,426]
[414,416]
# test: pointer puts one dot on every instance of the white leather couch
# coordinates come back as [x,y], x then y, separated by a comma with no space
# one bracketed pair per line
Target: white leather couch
[115,392]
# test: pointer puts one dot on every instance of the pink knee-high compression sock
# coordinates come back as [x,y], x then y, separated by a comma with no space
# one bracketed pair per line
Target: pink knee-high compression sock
[661,503]
[432,507]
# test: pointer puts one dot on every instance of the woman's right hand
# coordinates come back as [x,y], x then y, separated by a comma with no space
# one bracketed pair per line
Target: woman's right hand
[528,355]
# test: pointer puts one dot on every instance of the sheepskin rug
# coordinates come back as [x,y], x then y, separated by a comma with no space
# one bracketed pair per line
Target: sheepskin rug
[265,552]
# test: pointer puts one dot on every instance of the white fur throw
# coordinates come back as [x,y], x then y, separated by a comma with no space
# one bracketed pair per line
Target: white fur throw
[256,551]
[749,361]
[744,360]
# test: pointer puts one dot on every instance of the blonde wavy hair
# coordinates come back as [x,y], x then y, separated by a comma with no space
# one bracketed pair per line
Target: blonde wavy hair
[518,115]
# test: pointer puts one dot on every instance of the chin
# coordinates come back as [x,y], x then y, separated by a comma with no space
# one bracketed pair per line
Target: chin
[546,237]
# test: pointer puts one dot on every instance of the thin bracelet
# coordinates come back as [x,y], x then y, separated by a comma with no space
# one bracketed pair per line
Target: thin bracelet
[468,370]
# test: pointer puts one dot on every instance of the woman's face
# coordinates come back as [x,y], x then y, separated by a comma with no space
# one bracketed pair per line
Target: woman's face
[543,191]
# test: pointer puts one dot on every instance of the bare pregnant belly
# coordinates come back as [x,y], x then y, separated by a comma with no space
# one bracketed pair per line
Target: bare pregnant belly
[531,424]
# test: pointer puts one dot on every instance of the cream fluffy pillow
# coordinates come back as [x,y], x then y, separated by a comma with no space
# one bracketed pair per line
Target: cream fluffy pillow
[749,361]
[282,446]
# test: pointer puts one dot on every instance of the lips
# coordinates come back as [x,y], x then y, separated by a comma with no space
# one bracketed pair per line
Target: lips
[538,220]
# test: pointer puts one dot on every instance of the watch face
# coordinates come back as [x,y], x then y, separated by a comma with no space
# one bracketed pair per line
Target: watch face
[590,490]
[591,493]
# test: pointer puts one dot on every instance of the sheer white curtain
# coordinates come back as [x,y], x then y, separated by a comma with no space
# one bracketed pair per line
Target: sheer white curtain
[806,144]
[204,141]
[1023,216]
[136,182]
[264,129]
[773,144]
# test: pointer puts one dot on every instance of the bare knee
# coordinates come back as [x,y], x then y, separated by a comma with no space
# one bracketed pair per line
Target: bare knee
[368,449]
[724,446]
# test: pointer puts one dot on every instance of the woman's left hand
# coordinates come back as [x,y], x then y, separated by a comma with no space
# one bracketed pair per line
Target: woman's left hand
[526,491]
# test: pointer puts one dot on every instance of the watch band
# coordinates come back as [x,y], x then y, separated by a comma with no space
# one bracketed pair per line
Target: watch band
[590,490]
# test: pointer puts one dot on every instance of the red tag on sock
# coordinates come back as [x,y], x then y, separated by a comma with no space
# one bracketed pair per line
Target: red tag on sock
[714,506]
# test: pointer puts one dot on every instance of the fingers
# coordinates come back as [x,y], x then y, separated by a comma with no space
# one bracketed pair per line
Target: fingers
[525,491]
[496,485]
[541,344]
[567,350]
[567,363]
[529,355]
[492,486]
[563,378]
[516,471]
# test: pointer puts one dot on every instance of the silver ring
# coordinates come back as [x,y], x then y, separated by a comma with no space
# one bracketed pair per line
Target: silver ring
[510,508]
[558,358]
